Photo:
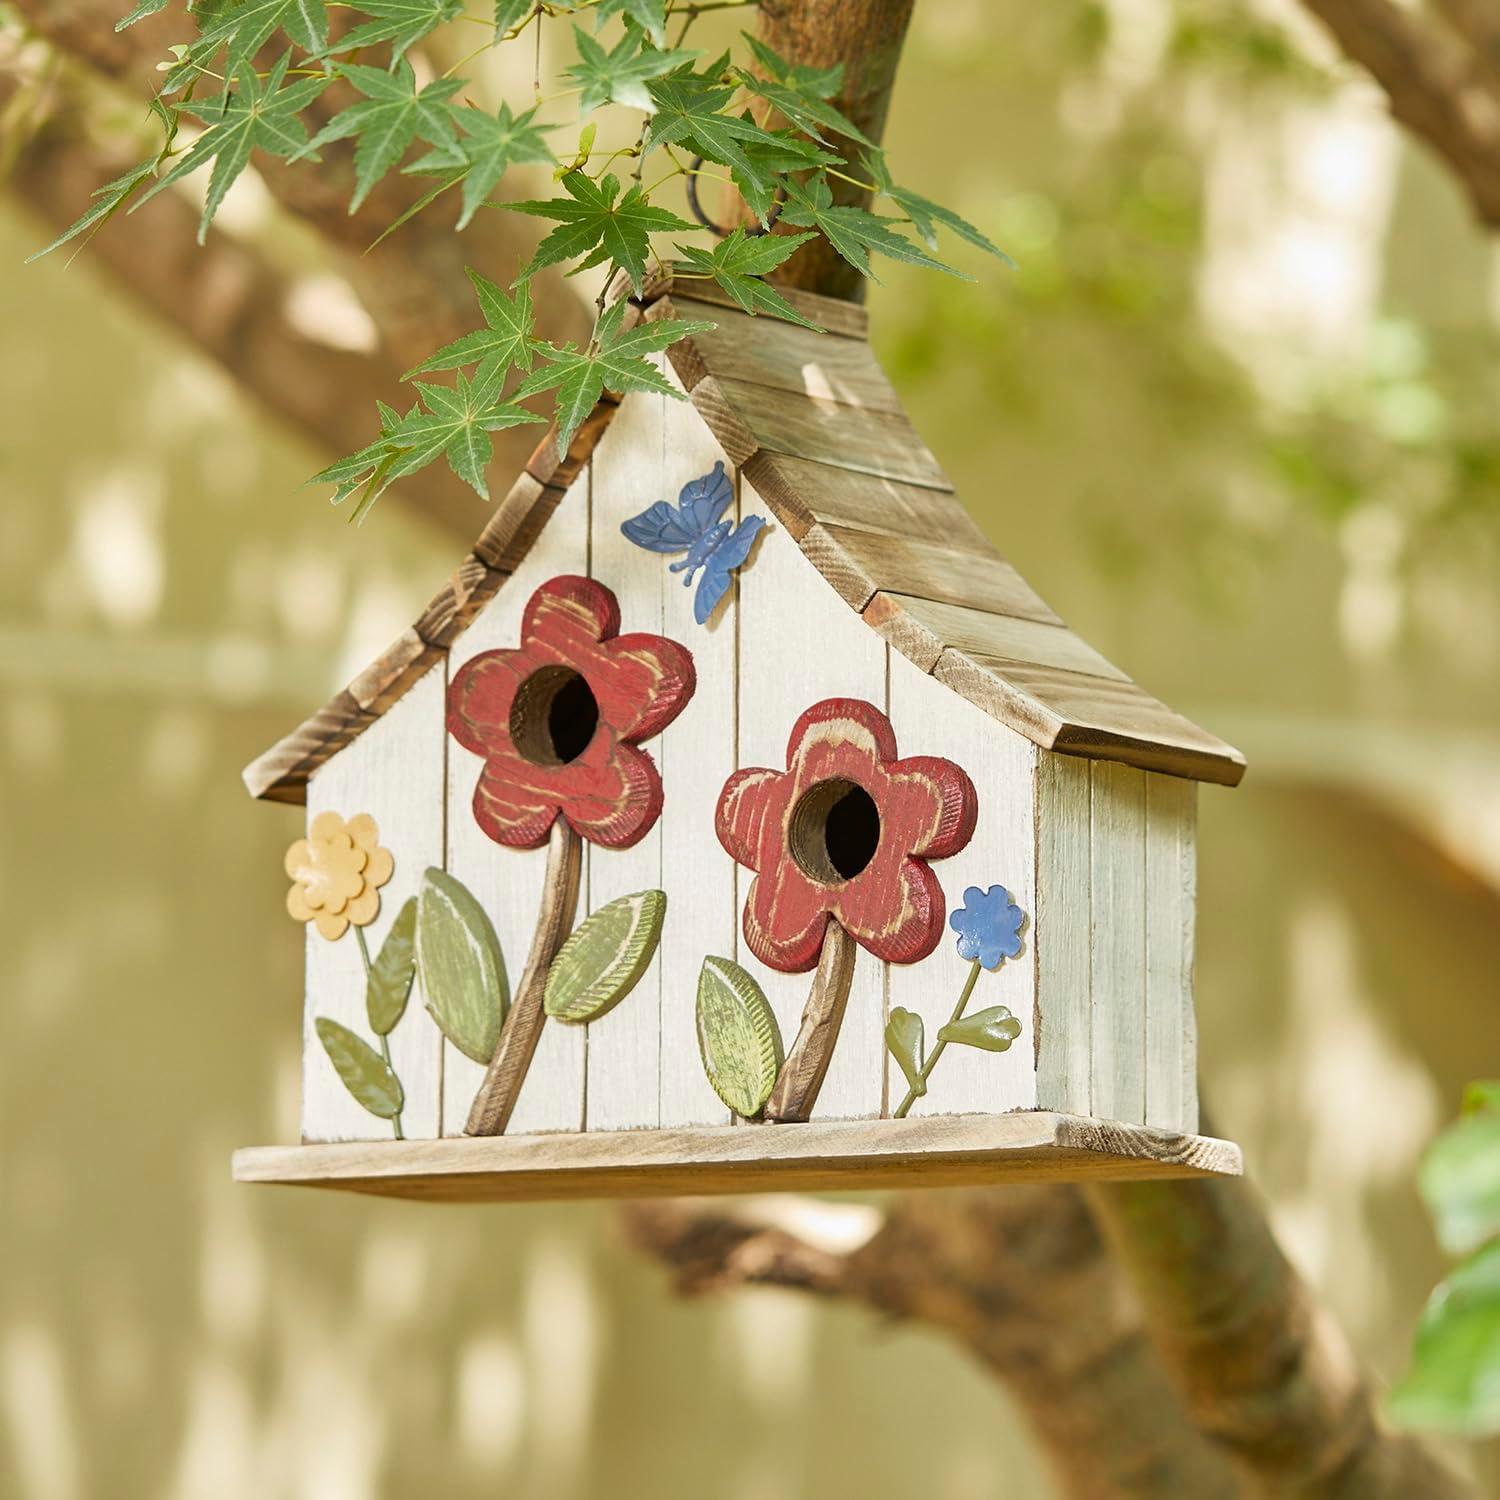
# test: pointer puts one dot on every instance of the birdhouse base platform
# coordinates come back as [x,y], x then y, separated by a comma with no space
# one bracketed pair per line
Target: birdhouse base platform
[819,1156]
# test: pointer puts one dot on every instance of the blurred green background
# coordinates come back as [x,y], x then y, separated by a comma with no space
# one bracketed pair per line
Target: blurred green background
[1233,416]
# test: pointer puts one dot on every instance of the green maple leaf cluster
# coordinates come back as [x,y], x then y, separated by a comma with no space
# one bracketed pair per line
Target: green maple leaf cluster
[768,127]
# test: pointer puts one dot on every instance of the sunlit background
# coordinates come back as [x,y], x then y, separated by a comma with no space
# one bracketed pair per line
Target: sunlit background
[1234,416]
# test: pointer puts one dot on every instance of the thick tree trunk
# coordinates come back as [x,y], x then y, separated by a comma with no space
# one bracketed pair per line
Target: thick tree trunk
[866,37]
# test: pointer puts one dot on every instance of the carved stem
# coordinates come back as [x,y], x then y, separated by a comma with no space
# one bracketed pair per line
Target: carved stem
[937,1051]
[385,1041]
[803,1071]
[496,1099]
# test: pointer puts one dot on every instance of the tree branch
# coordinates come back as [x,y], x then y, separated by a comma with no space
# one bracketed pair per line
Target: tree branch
[1263,1368]
[1437,85]
[230,303]
[1233,1383]
[1019,1278]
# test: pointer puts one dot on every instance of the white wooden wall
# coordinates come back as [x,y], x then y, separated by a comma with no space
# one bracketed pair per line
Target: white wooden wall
[1102,993]
[394,772]
[1115,880]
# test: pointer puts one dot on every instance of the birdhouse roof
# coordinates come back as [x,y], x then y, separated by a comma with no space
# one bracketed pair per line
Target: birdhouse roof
[815,427]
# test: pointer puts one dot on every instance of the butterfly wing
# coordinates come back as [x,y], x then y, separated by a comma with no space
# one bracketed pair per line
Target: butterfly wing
[720,563]
[703,500]
[665,527]
[660,528]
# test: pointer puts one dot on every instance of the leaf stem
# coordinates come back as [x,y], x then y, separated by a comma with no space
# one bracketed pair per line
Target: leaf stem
[385,1044]
[937,1051]
[868,187]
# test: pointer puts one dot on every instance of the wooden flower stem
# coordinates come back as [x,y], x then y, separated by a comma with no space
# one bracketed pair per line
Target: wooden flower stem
[806,1065]
[496,1099]
[385,1044]
[913,1094]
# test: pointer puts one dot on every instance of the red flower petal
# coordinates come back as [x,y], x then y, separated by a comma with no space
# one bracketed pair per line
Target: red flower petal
[610,792]
[894,906]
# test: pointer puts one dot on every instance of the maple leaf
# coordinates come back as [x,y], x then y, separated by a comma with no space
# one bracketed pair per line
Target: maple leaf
[242,28]
[255,115]
[506,340]
[783,152]
[510,13]
[455,425]
[804,109]
[596,223]
[108,201]
[491,144]
[614,360]
[619,75]
[649,15]
[924,213]
[819,83]
[392,115]
[853,232]
[688,109]
[738,261]
[399,22]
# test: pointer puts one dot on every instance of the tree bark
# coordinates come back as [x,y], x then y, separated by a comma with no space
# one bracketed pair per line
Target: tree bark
[1438,85]
[866,37]
[1262,1367]
[1020,1279]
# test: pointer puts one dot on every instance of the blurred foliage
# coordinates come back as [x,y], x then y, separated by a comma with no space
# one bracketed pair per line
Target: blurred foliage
[1396,422]
[1454,1381]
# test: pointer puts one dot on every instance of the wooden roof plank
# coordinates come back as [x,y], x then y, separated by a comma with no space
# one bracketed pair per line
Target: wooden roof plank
[867,442]
[804,493]
[767,351]
[1095,717]
[861,563]
[845,319]
[922,629]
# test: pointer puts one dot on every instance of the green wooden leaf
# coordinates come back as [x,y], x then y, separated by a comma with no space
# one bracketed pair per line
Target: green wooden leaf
[462,968]
[1460,1179]
[604,958]
[1454,1381]
[903,1035]
[991,1030]
[364,1072]
[737,1036]
[391,974]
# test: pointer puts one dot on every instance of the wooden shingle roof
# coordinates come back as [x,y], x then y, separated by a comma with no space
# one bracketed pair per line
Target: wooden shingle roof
[817,430]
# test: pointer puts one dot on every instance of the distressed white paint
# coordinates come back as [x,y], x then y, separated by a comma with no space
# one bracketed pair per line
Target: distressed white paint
[394,772]
[624,1046]
[696,755]
[799,644]
[929,719]
[1060,934]
[1171,1032]
[508,882]
[1117,940]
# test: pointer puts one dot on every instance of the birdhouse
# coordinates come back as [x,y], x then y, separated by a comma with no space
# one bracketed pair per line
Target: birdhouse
[738,819]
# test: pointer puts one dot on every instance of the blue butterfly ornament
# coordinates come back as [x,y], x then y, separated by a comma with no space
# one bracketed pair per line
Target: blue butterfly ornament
[693,526]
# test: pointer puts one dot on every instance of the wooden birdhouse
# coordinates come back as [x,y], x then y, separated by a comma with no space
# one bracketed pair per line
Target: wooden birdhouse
[735,819]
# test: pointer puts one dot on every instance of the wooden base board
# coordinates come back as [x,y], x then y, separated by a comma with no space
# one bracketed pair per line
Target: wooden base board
[819,1156]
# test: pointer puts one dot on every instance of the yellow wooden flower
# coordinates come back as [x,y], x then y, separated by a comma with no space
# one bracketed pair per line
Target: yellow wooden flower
[337,872]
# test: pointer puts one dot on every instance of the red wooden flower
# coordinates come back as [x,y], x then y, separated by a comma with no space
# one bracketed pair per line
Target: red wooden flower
[558,720]
[845,831]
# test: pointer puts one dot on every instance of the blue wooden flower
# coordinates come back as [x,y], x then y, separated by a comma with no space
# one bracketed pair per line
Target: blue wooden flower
[988,925]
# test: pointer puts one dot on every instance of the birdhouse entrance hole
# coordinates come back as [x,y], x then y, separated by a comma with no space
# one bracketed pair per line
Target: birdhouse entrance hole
[835,831]
[554,716]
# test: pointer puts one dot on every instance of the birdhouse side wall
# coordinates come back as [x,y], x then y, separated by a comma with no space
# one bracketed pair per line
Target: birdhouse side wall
[1116,894]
